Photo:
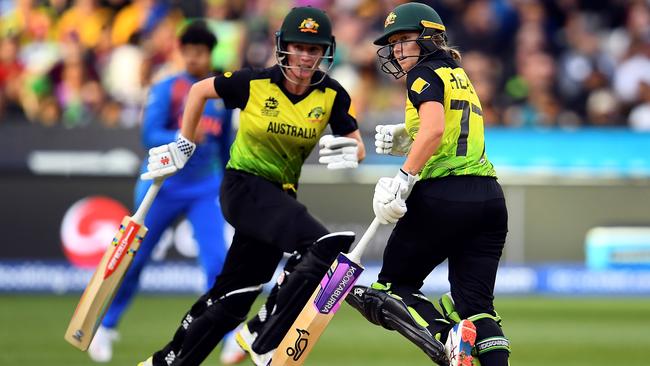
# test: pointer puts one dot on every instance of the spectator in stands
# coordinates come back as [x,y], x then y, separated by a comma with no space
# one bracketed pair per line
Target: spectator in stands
[232,33]
[75,85]
[484,71]
[590,47]
[603,108]
[640,115]
[11,79]
[116,5]
[135,18]
[582,67]
[86,19]
[26,19]
[479,29]
[630,44]
[100,54]
[122,79]
[162,56]
[539,105]
[57,7]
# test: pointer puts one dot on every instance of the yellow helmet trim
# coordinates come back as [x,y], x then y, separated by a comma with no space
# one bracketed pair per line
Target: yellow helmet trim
[428,24]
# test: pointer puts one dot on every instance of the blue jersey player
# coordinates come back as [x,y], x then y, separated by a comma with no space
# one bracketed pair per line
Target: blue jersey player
[192,193]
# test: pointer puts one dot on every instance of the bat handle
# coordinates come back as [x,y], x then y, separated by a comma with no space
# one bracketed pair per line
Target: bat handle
[148,200]
[355,254]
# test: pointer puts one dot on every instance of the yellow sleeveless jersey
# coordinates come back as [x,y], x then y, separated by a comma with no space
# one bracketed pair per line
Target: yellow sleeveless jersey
[462,148]
[278,130]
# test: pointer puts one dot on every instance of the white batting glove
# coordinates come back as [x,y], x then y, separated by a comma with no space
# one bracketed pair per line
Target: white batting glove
[338,152]
[389,201]
[392,139]
[167,159]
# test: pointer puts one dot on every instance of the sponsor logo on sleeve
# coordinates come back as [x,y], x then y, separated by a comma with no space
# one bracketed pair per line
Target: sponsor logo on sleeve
[419,85]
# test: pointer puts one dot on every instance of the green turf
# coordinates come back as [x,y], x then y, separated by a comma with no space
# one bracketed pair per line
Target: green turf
[543,332]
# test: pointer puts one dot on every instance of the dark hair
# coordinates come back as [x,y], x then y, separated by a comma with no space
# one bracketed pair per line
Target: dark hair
[198,33]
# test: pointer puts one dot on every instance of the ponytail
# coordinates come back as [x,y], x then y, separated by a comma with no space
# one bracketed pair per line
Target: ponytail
[440,40]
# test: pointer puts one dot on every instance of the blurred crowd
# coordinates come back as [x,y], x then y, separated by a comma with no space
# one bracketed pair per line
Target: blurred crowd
[564,63]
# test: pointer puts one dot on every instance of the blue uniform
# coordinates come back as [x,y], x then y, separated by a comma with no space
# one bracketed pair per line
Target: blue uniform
[192,192]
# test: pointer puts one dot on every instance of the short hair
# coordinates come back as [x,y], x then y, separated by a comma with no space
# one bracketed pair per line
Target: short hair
[198,33]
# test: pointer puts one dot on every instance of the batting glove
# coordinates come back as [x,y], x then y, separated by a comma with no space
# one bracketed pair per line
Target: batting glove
[338,152]
[167,159]
[389,201]
[392,139]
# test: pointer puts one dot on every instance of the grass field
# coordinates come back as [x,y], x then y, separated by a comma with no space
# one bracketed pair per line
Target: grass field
[543,332]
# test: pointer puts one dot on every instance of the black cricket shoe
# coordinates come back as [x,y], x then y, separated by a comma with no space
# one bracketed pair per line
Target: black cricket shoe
[382,309]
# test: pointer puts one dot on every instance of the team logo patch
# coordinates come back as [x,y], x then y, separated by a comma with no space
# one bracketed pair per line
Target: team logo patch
[227,74]
[316,115]
[390,19]
[419,85]
[270,107]
[309,25]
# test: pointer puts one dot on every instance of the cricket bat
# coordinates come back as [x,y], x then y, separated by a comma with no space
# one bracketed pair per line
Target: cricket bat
[324,302]
[109,274]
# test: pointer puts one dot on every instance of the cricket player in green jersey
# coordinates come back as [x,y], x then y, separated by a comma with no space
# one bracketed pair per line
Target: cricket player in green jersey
[445,200]
[285,110]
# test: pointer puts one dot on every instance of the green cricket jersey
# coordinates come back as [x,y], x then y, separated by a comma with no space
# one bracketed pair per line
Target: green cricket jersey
[462,148]
[278,130]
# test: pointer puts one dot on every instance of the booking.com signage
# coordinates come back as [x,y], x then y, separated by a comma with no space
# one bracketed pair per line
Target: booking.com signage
[89,224]
[187,277]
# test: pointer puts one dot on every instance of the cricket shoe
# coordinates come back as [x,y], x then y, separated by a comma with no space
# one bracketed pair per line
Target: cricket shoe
[148,362]
[232,353]
[460,342]
[380,308]
[101,347]
[245,340]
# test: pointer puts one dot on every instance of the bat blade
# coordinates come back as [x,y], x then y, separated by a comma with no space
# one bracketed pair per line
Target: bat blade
[104,283]
[317,313]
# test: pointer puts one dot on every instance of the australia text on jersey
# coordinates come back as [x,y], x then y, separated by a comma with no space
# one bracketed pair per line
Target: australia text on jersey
[283,128]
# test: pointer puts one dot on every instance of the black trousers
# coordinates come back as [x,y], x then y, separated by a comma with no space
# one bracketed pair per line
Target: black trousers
[459,218]
[268,222]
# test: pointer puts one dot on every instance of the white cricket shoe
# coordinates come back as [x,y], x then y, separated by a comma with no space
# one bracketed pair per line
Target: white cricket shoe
[245,340]
[460,342]
[232,353]
[148,362]
[262,360]
[101,348]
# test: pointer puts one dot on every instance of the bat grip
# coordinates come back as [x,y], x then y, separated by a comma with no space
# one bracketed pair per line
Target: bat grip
[355,254]
[147,201]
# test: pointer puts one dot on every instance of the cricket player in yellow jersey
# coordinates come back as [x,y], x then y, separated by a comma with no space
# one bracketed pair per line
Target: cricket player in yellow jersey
[445,200]
[284,111]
